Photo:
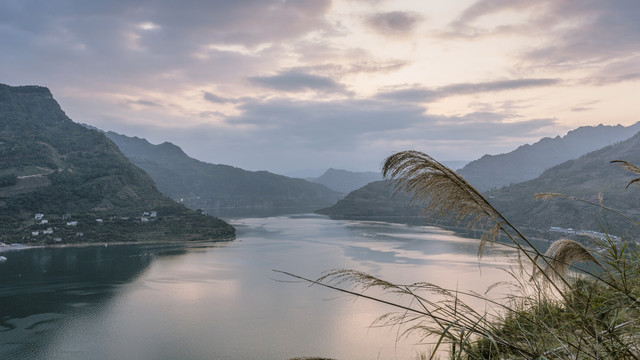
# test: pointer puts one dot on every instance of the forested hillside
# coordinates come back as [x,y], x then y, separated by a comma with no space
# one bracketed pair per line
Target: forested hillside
[222,190]
[72,175]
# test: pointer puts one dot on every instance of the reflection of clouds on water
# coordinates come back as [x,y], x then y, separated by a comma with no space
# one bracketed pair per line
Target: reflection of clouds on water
[220,300]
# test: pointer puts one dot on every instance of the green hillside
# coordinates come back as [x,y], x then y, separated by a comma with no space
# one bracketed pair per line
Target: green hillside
[222,190]
[585,178]
[374,201]
[50,165]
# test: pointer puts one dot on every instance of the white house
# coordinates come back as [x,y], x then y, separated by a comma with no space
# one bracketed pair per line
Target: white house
[72,223]
[38,216]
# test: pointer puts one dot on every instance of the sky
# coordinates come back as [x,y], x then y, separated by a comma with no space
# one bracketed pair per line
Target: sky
[292,85]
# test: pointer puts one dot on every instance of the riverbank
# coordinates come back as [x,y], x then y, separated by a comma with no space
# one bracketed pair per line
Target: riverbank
[16,247]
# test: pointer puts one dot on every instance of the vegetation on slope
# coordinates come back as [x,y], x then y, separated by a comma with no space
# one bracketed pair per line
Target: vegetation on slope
[222,190]
[529,161]
[58,168]
[373,201]
[590,177]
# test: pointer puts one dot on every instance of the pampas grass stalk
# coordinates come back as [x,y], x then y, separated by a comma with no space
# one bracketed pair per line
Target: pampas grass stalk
[594,317]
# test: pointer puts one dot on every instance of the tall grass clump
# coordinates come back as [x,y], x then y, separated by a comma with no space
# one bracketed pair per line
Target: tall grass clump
[553,309]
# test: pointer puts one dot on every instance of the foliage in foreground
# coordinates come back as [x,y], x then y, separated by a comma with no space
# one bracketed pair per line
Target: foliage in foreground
[555,310]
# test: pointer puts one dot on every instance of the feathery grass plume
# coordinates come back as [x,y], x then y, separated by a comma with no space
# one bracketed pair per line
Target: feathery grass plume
[594,317]
[630,167]
[448,195]
[445,193]
[564,252]
[431,310]
[548,196]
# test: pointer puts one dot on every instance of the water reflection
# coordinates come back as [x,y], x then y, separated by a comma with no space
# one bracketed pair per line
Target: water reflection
[220,300]
[41,288]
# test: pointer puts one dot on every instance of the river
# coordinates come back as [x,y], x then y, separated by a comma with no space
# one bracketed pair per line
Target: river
[222,300]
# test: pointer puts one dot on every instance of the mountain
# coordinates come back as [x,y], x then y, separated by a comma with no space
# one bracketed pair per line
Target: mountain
[61,182]
[529,161]
[222,190]
[585,177]
[346,181]
[374,201]
[454,164]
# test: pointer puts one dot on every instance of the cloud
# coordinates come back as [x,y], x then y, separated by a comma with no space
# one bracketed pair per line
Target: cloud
[142,102]
[247,22]
[217,99]
[422,95]
[148,43]
[617,71]
[393,22]
[411,95]
[297,81]
[281,132]
[486,7]
[571,34]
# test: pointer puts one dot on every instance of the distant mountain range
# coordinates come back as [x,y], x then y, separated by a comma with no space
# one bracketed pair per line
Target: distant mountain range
[61,182]
[529,161]
[583,177]
[222,190]
[346,181]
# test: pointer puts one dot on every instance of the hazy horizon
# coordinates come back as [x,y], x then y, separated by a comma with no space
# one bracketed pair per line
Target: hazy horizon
[285,86]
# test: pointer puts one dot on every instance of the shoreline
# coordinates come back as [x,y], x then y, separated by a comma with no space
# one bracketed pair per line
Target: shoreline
[9,248]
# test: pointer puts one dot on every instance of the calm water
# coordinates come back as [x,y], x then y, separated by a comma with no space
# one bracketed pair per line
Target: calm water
[222,300]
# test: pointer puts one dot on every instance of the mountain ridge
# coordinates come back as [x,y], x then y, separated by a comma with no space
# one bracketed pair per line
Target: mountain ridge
[585,177]
[222,190]
[591,177]
[345,181]
[494,171]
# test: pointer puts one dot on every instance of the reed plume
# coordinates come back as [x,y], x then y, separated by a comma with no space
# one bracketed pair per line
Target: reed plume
[443,192]
[630,167]
[564,252]
[594,317]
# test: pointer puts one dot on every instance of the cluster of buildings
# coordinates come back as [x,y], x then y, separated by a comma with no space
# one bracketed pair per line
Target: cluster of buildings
[591,233]
[39,219]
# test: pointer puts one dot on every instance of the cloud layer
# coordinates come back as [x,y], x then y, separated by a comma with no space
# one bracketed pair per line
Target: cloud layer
[281,85]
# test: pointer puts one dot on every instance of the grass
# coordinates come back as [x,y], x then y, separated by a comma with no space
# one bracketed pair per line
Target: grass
[553,310]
